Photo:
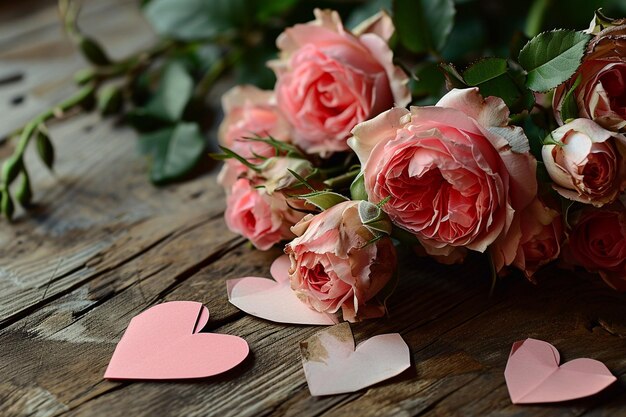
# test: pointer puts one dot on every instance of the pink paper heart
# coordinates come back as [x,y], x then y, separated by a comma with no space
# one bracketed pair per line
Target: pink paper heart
[533,375]
[332,365]
[274,300]
[164,342]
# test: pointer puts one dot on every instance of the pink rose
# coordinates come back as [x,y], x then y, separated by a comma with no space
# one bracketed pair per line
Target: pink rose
[335,265]
[263,218]
[454,174]
[586,164]
[330,79]
[598,243]
[601,94]
[541,237]
[231,171]
[250,112]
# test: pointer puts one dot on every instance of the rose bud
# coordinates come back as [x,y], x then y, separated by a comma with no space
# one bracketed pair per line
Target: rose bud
[598,243]
[329,79]
[263,218]
[586,162]
[249,113]
[601,92]
[454,174]
[342,258]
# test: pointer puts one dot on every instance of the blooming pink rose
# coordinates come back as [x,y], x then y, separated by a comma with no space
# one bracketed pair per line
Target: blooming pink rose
[250,112]
[454,174]
[541,237]
[330,79]
[601,94]
[598,243]
[265,219]
[334,264]
[586,164]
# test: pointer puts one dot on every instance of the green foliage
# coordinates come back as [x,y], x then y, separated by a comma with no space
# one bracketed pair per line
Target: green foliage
[174,151]
[196,19]
[551,58]
[94,53]
[423,25]
[173,94]
[357,188]
[323,199]
[45,150]
[110,100]
[428,85]
[569,108]
[210,19]
[367,10]
[24,193]
[494,77]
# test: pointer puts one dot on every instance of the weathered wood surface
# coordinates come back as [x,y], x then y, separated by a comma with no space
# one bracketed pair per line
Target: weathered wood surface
[103,245]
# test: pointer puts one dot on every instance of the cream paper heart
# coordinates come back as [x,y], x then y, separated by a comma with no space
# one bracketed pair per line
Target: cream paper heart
[332,364]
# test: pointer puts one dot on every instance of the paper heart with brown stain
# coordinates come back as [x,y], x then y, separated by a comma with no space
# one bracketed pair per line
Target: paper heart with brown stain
[332,365]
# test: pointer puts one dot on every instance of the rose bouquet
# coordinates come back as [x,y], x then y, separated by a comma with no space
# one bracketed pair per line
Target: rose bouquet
[523,160]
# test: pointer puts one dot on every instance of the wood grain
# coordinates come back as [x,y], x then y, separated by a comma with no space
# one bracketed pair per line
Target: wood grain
[103,244]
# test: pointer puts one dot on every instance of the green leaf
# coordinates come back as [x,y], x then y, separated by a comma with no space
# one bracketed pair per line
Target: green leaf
[174,92]
[569,108]
[430,81]
[93,52]
[197,19]
[551,58]
[267,10]
[174,151]
[11,168]
[252,68]
[44,147]
[6,204]
[485,70]
[24,193]
[453,78]
[423,25]
[357,188]
[110,100]
[323,199]
[367,10]
[169,101]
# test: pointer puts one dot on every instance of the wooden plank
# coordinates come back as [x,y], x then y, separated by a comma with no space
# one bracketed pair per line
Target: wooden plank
[103,245]
[35,47]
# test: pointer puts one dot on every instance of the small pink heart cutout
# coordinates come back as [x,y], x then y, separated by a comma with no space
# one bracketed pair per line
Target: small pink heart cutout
[274,300]
[164,342]
[533,375]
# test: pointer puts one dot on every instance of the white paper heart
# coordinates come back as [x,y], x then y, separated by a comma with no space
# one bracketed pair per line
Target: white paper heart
[332,365]
[274,300]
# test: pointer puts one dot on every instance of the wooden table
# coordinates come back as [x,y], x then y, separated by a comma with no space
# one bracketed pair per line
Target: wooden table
[103,245]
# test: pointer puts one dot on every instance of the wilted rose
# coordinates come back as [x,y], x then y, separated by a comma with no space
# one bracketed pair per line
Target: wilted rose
[337,263]
[601,94]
